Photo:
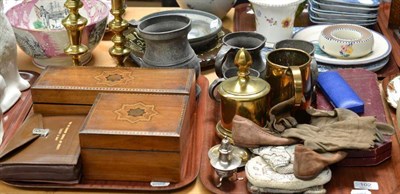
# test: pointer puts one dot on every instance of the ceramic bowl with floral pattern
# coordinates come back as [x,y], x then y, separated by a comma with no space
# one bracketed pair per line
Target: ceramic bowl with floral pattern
[40,34]
[346,41]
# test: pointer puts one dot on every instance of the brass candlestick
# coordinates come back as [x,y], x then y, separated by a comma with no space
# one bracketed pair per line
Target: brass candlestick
[118,51]
[74,23]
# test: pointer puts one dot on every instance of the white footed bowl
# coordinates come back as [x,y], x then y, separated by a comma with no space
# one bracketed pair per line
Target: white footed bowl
[38,28]
[217,7]
[346,41]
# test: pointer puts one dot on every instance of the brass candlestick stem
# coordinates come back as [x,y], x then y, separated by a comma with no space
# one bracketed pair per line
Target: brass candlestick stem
[118,51]
[74,23]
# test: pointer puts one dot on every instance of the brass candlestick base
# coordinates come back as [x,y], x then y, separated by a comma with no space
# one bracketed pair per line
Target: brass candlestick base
[74,23]
[118,51]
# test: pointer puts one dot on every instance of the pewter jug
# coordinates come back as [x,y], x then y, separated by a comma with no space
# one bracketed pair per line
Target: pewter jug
[232,42]
[166,42]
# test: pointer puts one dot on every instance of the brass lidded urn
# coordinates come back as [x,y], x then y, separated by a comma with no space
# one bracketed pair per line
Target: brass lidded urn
[243,95]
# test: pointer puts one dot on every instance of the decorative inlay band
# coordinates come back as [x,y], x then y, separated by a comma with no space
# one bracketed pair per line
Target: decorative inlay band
[134,113]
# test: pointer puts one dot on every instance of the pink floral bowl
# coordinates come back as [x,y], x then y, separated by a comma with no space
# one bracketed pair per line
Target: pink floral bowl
[40,34]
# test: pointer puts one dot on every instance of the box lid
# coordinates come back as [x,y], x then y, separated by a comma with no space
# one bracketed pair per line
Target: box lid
[80,85]
[137,122]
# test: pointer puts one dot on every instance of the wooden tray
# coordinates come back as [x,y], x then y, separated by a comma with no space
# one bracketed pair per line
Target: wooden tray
[14,117]
[386,174]
[245,21]
[192,164]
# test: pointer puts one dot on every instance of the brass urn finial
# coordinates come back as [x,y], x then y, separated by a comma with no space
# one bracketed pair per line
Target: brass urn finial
[74,23]
[118,25]
[243,61]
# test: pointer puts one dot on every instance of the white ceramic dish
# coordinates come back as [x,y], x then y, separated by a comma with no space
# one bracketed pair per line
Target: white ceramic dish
[314,7]
[218,7]
[341,20]
[325,22]
[355,3]
[374,66]
[347,41]
[380,50]
[343,8]
[342,15]
[393,91]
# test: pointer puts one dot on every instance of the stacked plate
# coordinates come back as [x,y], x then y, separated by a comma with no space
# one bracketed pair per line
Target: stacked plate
[360,12]
[374,61]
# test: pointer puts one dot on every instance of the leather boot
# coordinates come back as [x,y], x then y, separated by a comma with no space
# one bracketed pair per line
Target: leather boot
[308,163]
[246,133]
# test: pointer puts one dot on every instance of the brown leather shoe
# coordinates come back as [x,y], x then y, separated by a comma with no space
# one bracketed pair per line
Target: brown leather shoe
[308,163]
[246,133]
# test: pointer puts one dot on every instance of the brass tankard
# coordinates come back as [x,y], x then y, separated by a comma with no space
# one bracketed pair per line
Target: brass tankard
[289,74]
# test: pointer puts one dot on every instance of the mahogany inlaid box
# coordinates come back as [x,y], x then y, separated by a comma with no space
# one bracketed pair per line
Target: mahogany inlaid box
[72,90]
[136,137]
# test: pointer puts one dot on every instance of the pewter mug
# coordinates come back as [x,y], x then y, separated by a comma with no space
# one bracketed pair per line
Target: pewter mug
[232,42]
[166,42]
[289,75]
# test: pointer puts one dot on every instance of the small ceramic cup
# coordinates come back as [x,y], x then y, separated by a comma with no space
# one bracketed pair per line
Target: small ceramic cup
[346,41]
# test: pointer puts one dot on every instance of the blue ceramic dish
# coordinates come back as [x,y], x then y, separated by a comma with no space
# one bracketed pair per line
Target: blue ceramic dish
[319,20]
[342,8]
[315,7]
[355,3]
[342,15]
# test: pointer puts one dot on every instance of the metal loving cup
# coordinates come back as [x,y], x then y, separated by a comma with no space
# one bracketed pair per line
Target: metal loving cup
[289,75]
[232,42]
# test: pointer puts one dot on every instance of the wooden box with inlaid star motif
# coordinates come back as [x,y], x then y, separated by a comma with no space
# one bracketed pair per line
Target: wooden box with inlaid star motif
[72,90]
[136,137]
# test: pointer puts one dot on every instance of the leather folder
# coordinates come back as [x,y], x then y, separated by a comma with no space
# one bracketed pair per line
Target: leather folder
[51,158]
